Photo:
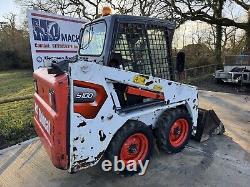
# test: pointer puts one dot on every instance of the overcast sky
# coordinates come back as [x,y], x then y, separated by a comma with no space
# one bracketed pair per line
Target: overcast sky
[7,6]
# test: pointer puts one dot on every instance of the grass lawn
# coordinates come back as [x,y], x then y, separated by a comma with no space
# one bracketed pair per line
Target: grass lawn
[16,117]
[16,83]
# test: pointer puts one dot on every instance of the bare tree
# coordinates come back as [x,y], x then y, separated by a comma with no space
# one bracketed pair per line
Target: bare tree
[122,6]
[14,44]
[211,12]
[184,36]
[199,33]
[229,34]
[88,9]
[236,43]
[210,38]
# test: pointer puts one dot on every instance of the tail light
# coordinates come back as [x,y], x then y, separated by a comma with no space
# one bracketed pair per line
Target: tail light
[52,99]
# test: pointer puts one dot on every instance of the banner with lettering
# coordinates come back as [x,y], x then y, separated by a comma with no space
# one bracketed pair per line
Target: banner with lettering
[52,37]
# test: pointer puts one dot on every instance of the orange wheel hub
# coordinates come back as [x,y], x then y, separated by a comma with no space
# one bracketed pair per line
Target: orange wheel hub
[179,132]
[135,147]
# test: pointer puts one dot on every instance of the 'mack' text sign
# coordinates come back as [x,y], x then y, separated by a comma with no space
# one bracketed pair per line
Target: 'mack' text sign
[52,37]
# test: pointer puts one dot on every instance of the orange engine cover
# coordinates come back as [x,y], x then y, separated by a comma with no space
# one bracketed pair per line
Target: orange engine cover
[90,110]
[51,122]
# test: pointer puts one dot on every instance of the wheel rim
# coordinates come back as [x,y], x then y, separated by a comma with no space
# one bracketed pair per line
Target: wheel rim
[179,132]
[135,147]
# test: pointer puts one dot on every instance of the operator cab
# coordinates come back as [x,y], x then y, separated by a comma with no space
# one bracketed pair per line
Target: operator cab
[132,43]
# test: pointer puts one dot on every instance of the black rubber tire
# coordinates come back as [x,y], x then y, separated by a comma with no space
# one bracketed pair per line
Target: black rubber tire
[129,128]
[163,126]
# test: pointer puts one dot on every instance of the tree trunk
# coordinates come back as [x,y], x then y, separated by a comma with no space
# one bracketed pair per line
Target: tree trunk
[248,40]
[218,15]
[248,33]
[218,46]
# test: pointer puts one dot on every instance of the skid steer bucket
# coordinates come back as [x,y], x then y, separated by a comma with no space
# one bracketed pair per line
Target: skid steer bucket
[208,124]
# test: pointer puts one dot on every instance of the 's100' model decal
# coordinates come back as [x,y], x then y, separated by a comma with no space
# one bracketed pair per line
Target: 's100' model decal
[42,119]
[84,95]
[88,98]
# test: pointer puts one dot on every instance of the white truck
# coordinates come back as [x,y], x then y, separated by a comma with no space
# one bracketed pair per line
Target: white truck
[236,70]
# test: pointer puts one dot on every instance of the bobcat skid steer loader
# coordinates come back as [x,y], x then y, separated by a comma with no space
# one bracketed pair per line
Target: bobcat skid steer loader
[117,97]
